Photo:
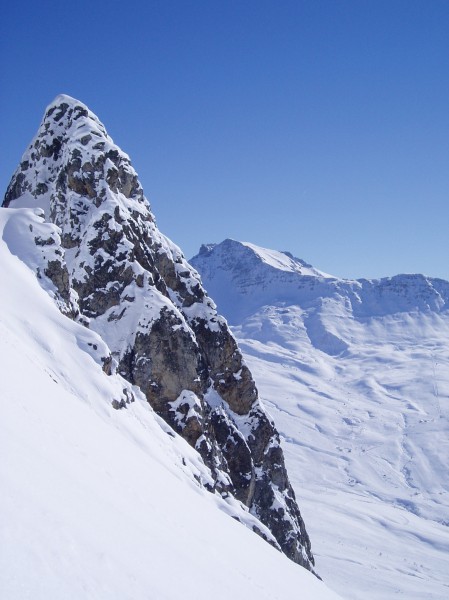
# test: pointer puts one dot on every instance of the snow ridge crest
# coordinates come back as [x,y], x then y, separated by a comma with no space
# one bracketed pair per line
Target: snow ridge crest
[246,277]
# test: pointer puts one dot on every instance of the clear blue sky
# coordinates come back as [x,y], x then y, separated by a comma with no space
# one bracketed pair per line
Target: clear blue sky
[315,126]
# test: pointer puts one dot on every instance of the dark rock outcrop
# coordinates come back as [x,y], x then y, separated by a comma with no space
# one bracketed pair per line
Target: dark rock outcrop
[121,277]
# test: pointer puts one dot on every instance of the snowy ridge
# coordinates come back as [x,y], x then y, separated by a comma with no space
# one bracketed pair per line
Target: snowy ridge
[284,261]
[235,271]
[100,503]
[355,376]
[244,277]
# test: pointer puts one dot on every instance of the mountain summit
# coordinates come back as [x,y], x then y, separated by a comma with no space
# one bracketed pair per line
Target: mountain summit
[108,267]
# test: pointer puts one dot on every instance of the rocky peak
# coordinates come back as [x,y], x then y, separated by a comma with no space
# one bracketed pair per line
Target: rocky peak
[72,158]
[133,286]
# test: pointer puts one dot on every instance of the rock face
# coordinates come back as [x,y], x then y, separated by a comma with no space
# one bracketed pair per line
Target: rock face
[118,275]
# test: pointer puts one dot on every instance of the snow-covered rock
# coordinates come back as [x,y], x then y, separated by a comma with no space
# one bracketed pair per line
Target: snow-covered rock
[356,376]
[98,503]
[103,260]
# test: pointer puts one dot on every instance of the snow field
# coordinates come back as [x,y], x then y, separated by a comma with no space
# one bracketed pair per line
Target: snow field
[355,375]
[366,443]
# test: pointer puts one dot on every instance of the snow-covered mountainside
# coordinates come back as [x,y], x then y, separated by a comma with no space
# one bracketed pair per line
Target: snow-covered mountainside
[356,377]
[97,250]
[98,503]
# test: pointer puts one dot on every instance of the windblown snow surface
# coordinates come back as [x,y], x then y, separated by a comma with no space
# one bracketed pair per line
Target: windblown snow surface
[356,377]
[97,503]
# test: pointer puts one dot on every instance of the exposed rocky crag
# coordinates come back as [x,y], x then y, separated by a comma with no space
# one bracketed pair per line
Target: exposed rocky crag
[113,270]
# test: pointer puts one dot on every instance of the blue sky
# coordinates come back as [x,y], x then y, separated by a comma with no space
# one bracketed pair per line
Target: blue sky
[320,127]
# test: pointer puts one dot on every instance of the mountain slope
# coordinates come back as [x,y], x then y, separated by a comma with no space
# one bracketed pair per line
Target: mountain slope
[98,503]
[355,375]
[114,272]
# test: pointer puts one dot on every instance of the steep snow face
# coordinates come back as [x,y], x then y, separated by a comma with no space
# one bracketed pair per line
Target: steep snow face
[113,271]
[100,503]
[355,375]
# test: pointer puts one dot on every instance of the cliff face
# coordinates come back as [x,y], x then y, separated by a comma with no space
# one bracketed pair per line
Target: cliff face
[117,274]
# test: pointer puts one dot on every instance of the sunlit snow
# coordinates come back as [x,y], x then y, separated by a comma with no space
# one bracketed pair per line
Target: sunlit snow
[356,377]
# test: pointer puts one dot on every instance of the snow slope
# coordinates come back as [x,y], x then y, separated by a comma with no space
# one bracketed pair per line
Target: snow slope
[356,377]
[99,503]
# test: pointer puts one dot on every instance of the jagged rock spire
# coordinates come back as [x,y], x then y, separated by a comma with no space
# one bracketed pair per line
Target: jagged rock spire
[134,287]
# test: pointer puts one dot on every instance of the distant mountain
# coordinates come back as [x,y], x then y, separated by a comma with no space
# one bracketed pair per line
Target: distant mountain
[243,277]
[97,251]
[356,376]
